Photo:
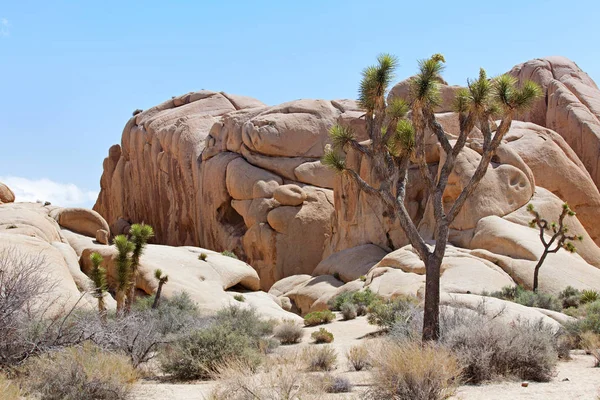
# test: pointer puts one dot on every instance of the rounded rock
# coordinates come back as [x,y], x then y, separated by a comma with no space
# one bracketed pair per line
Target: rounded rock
[290,195]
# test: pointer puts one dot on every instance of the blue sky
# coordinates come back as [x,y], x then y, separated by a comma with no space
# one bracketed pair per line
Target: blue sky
[72,72]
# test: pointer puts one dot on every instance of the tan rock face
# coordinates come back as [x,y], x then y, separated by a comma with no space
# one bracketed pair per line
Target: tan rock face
[571,106]
[81,220]
[6,195]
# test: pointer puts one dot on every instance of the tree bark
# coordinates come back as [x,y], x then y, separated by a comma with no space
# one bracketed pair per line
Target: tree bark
[537,269]
[431,319]
[157,297]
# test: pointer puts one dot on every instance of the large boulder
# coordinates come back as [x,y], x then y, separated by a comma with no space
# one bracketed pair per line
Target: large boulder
[80,220]
[6,195]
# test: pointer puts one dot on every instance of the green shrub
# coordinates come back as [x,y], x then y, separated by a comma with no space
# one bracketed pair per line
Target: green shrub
[335,304]
[508,292]
[364,297]
[362,278]
[569,297]
[589,296]
[589,320]
[320,358]
[239,297]
[318,318]
[322,336]
[229,254]
[245,321]
[202,256]
[529,298]
[80,373]
[288,332]
[348,311]
[384,313]
[200,353]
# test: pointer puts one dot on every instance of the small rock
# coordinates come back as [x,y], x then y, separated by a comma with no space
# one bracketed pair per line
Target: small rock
[565,380]
[524,384]
[102,236]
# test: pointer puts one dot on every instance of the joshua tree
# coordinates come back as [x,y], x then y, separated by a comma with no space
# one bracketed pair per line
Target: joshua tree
[123,264]
[139,235]
[560,238]
[98,276]
[396,140]
[162,279]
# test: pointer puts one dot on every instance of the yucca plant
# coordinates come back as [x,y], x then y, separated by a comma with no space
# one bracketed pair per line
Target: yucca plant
[559,237]
[139,235]
[162,279]
[98,276]
[396,141]
[589,296]
[123,268]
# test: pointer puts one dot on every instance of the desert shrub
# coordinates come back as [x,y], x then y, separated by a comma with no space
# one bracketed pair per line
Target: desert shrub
[362,299]
[358,357]
[320,358]
[335,304]
[322,336]
[229,254]
[529,298]
[240,298]
[569,297]
[288,332]
[588,321]
[589,296]
[245,321]
[591,344]
[384,313]
[198,354]
[348,311]
[336,384]
[80,373]
[202,256]
[318,318]
[487,348]
[409,370]
[9,390]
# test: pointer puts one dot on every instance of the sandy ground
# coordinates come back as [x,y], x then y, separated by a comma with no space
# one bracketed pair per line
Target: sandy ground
[575,379]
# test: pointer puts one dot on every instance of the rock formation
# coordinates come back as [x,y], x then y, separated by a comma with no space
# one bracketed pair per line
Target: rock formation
[229,173]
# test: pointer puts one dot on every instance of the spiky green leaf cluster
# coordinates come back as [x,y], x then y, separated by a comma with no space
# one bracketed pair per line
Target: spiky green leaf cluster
[158,275]
[333,160]
[139,234]
[375,81]
[123,260]
[98,275]
[397,109]
[425,86]
[340,136]
[570,247]
[403,140]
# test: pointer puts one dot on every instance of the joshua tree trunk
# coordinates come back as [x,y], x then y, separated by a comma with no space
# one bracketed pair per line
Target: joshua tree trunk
[120,297]
[102,309]
[158,293]
[536,271]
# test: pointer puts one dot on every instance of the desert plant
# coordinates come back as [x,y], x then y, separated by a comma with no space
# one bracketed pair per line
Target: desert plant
[322,336]
[202,256]
[358,357]
[412,371]
[589,296]
[229,253]
[162,279]
[559,237]
[80,373]
[569,297]
[528,298]
[348,311]
[589,320]
[335,303]
[318,318]
[10,390]
[396,140]
[239,297]
[245,321]
[199,354]
[98,276]
[362,278]
[591,344]
[123,266]
[320,358]
[288,332]
[384,313]
[337,384]
[139,235]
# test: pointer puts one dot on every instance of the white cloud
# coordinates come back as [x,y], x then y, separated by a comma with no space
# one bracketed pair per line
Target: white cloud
[4,25]
[59,194]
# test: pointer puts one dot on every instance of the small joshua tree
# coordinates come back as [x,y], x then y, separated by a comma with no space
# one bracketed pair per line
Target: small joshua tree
[98,276]
[396,140]
[123,266]
[559,236]
[162,279]
[139,235]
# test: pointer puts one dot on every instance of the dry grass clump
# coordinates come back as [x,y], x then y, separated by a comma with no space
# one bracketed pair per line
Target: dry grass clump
[412,371]
[288,332]
[349,311]
[80,373]
[9,390]
[282,379]
[320,358]
[322,336]
[591,344]
[358,357]
[336,384]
